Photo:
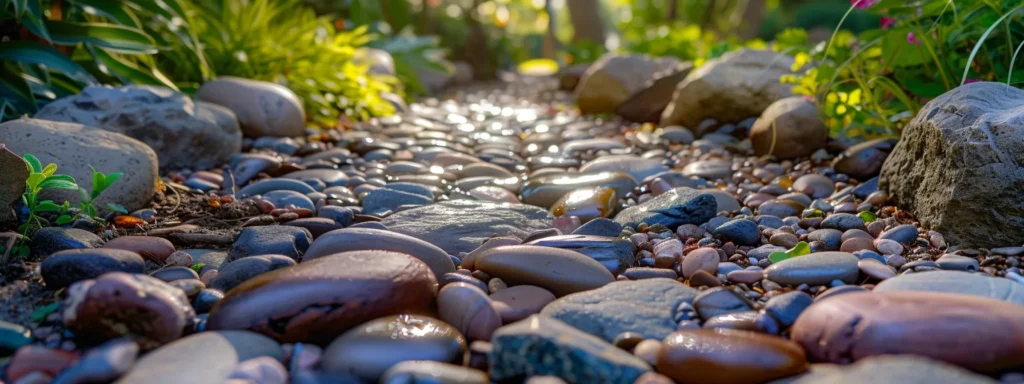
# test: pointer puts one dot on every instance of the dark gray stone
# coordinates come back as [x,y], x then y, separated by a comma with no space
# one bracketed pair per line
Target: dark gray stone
[102,364]
[203,358]
[957,263]
[815,269]
[600,227]
[341,215]
[785,308]
[843,222]
[50,240]
[903,234]
[274,239]
[542,346]
[383,200]
[238,271]
[957,166]
[671,209]
[740,232]
[278,184]
[613,253]
[647,307]
[720,301]
[63,268]
[462,225]
[832,238]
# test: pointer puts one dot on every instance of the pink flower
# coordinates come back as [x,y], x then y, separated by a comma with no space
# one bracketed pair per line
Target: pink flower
[863,4]
[912,38]
[887,22]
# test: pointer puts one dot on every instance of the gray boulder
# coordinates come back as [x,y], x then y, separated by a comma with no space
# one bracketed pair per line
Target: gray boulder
[183,133]
[673,208]
[262,108]
[613,78]
[959,166]
[462,225]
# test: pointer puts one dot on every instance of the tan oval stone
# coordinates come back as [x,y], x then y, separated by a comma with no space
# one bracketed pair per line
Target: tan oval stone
[558,270]
[262,108]
[469,310]
[700,259]
[521,301]
[728,356]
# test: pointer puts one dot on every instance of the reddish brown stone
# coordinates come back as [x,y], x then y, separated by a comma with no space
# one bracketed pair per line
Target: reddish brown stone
[150,248]
[521,301]
[727,356]
[140,307]
[35,358]
[973,332]
[317,300]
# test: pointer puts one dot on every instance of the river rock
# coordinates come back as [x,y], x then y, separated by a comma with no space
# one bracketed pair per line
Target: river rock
[956,282]
[383,200]
[370,349]
[102,364]
[521,301]
[788,129]
[544,267]
[262,108]
[889,369]
[203,358]
[545,191]
[358,239]
[275,239]
[64,268]
[432,372]
[969,141]
[142,308]
[154,249]
[648,307]
[671,209]
[814,269]
[730,88]
[238,271]
[461,225]
[739,231]
[636,167]
[542,346]
[646,105]
[75,147]
[587,204]
[611,80]
[469,310]
[613,253]
[50,240]
[169,122]
[737,357]
[317,300]
[919,323]
[864,160]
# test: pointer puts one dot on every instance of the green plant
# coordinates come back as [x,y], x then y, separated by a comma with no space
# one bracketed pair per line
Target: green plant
[43,178]
[57,47]
[800,249]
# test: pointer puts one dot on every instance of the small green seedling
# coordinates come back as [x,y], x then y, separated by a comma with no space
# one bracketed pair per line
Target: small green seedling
[867,216]
[801,248]
[42,178]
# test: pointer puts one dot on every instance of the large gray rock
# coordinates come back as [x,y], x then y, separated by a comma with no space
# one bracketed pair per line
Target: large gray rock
[956,282]
[183,133]
[542,346]
[673,208]
[74,147]
[262,108]
[613,78]
[731,88]
[648,307]
[647,104]
[462,225]
[12,183]
[203,358]
[958,166]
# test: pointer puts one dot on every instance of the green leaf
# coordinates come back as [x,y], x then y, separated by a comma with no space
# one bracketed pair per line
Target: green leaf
[40,313]
[800,249]
[15,88]
[35,21]
[977,47]
[115,37]
[34,181]
[98,182]
[83,193]
[50,169]
[91,210]
[64,220]
[112,178]
[127,71]
[20,6]
[113,9]
[33,163]
[867,216]
[35,53]
[117,208]
[58,184]
[47,206]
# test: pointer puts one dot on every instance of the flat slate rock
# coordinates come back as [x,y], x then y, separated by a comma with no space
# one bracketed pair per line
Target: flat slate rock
[203,358]
[462,225]
[671,209]
[647,307]
[898,369]
[542,346]
[956,282]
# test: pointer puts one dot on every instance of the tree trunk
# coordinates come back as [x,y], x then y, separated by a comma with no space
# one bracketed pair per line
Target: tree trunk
[753,16]
[586,21]
[673,10]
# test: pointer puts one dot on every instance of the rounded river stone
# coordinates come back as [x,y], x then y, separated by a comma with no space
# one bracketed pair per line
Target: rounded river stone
[815,269]
[728,356]
[66,267]
[358,239]
[558,270]
[956,282]
[318,300]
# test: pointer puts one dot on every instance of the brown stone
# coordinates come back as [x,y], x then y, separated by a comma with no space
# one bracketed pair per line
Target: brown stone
[789,128]
[587,203]
[12,183]
[140,307]
[973,332]
[36,358]
[469,261]
[154,249]
[726,356]
[521,301]
[857,244]
[701,278]
[546,267]
[647,104]
[610,80]
[318,300]
[359,239]
[701,259]
[469,310]
[317,226]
